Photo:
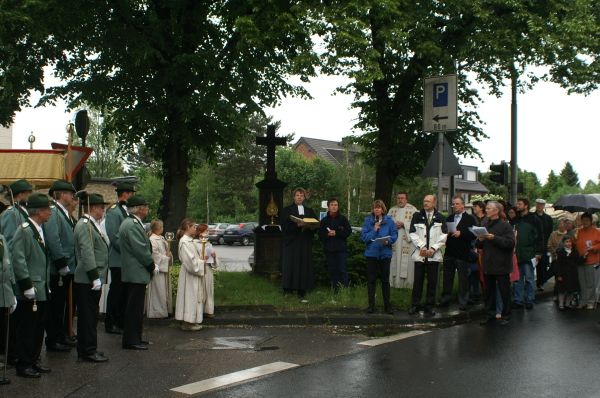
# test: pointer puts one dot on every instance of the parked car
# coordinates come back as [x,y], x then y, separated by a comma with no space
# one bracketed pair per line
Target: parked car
[242,233]
[215,232]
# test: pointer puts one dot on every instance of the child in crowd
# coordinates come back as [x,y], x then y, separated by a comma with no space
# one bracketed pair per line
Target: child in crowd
[565,268]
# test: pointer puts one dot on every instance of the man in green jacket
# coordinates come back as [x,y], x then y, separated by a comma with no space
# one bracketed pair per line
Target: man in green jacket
[529,249]
[8,301]
[115,302]
[137,267]
[91,249]
[59,237]
[30,263]
[16,214]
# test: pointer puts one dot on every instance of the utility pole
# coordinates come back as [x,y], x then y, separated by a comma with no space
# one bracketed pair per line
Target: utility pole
[514,170]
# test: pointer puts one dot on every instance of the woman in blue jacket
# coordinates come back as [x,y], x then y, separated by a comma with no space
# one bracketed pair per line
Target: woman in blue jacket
[379,233]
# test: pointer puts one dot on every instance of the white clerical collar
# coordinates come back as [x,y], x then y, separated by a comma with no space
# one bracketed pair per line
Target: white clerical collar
[39,229]
[300,210]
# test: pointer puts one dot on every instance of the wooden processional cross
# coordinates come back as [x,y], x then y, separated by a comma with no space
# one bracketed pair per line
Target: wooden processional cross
[271,141]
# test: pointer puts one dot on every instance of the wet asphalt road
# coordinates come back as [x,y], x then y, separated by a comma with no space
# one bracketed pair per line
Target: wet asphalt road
[542,353]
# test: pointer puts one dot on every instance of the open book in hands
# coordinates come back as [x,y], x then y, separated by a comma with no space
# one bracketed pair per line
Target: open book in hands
[308,222]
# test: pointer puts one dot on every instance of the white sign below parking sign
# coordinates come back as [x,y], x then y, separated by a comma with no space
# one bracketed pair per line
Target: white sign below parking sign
[439,104]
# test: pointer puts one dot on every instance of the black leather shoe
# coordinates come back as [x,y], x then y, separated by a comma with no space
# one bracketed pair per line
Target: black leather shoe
[488,321]
[413,310]
[503,322]
[135,347]
[41,368]
[429,311]
[389,310]
[114,330]
[462,308]
[95,357]
[444,304]
[528,306]
[70,341]
[29,373]
[517,306]
[58,347]
[370,310]
[145,342]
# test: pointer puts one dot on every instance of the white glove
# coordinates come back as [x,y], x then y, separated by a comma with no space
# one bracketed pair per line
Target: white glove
[29,293]
[64,271]
[96,284]
[156,269]
[13,307]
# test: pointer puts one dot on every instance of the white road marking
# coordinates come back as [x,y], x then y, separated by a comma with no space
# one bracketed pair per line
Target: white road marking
[232,378]
[395,337]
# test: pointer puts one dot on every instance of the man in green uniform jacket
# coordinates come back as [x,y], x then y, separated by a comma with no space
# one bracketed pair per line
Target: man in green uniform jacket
[30,263]
[115,302]
[137,267]
[91,249]
[58,231]
[8,301]
[16,214]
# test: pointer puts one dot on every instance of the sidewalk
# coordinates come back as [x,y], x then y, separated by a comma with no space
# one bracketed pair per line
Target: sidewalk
[270,316]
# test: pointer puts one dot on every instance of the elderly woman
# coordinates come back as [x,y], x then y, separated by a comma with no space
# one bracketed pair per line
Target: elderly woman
[158,300]
[379,232]
[497,246]
[190,291]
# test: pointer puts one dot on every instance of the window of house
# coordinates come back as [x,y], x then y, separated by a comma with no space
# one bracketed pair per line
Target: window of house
[470,175]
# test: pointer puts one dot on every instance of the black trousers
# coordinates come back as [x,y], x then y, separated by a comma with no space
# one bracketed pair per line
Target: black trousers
[429,268]
[336,265]
[115,301]
[378,267]
[543,271]
[11,330]
[87,318]
[452,264]
[57,316]
[134,313]
[29,332]
[503,283]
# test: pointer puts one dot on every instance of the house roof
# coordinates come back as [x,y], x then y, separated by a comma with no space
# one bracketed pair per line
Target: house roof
[332,151]
[463,185]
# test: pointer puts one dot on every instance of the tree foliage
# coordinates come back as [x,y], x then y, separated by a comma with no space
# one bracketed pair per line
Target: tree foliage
[569,175]
[175,75]
[387,47]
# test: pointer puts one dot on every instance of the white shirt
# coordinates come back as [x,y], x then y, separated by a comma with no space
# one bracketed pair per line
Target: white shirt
[62,208]
[300,210]
[457,217]
[39,228]
[99,226]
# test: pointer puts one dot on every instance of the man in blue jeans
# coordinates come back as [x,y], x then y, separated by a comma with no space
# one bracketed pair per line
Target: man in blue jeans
[529,247]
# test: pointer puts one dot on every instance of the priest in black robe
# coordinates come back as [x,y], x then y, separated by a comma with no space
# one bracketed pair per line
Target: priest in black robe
[297,270]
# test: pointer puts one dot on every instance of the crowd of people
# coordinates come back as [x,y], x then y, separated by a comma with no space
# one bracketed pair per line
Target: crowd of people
[52,264]
[508,252]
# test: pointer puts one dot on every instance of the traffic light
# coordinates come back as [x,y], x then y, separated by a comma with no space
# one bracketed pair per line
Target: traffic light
[499,173]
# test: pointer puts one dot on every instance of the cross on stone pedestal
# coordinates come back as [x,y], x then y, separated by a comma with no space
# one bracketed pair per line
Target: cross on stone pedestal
[271,141]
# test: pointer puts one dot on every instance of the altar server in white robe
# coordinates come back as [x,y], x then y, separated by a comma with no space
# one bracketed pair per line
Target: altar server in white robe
[210,264]
[402,266]
[158,300]
[189,306]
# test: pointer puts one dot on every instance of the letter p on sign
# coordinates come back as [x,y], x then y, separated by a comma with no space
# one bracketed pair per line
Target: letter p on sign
[440,95]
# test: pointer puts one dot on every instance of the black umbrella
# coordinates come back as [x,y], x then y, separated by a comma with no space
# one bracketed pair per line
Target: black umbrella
[579,202]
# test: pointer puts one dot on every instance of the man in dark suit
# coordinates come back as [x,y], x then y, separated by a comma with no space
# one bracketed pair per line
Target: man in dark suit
[458,251]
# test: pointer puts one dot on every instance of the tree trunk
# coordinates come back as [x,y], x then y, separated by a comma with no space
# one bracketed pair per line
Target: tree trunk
[173,202]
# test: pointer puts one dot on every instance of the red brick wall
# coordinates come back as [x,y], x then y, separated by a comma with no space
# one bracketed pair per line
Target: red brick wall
[305,151]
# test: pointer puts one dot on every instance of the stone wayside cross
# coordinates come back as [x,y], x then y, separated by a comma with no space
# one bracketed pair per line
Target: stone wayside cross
[271,141]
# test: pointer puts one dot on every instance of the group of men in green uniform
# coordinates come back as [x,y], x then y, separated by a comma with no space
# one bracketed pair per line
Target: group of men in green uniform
[44,252]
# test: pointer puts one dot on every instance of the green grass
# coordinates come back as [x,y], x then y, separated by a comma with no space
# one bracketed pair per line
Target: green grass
[248,289]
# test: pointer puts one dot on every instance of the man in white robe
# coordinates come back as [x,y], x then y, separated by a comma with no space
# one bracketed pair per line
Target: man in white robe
[402,265]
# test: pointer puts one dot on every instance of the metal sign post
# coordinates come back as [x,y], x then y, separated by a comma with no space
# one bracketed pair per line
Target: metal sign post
[439,114]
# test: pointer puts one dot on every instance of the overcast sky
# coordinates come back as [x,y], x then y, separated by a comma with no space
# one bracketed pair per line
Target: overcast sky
[553,127]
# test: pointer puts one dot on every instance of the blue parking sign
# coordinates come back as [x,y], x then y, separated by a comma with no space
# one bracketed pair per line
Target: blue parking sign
[440,95]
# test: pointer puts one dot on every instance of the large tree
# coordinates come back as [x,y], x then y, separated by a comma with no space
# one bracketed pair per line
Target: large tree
[177,75]
[387,47]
